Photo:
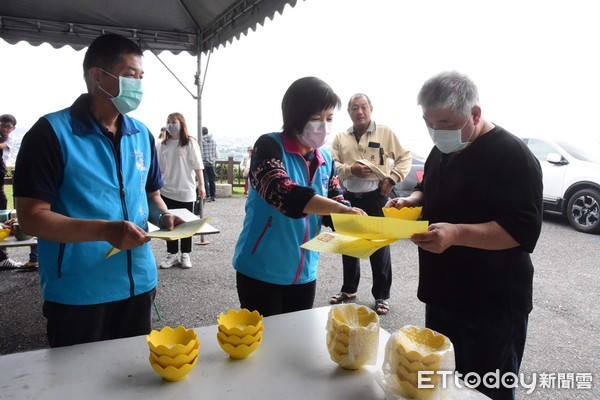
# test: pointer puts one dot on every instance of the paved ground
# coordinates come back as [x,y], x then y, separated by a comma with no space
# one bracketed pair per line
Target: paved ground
[564,328]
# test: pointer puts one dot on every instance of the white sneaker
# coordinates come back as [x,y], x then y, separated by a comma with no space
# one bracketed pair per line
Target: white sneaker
[171,261]
[10,263]
[185,260]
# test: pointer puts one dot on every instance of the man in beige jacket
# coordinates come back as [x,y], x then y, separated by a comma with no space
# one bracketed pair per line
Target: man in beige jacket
[370,161]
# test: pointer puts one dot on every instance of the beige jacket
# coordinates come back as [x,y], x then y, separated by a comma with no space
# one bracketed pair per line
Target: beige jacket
[378,148]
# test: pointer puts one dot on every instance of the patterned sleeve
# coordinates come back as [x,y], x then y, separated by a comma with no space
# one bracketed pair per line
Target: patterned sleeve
[271,181]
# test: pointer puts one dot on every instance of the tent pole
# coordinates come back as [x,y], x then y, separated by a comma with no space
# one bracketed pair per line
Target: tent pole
[199,85]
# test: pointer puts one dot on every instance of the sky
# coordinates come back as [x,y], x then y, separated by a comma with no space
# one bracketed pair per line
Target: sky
[536,64]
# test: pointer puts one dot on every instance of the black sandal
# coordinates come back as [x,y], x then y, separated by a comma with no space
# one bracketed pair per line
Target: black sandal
[382,306]
[341,297]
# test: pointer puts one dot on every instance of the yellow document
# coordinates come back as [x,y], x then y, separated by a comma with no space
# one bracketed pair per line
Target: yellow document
[181,231]
[331,242]
[376,228]
[360,236]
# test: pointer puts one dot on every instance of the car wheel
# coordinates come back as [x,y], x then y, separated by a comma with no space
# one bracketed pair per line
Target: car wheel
[583,211]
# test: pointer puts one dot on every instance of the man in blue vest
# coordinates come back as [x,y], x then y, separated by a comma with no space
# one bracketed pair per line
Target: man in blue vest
[88,180]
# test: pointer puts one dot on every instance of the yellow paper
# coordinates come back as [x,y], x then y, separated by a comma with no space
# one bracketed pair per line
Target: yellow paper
[376,228]
[360,236]
[181,231]
[410,213]
[331,242]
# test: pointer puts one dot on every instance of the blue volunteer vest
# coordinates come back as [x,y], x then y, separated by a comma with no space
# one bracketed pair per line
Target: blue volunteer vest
[268,249]
[99,184]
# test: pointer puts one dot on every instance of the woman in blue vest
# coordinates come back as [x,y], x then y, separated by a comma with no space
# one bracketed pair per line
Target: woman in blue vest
[293,185]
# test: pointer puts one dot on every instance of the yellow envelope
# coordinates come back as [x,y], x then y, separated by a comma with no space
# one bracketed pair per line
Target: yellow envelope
[410,213]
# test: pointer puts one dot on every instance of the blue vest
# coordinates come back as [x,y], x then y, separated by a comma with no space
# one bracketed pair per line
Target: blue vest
[268,249]
[99,184]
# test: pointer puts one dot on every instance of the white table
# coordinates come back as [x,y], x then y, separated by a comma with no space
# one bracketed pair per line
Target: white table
[11,241]
[292,362]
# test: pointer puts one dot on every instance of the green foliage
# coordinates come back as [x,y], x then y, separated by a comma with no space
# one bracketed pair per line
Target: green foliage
[8,189]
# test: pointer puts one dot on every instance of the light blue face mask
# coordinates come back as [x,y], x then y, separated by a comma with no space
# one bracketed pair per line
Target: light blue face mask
[449,141]
[130,93]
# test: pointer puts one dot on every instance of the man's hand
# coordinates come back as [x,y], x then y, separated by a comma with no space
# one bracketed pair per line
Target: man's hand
[124,235]
[360,170]
[170,221]
[385,188]
[438,238]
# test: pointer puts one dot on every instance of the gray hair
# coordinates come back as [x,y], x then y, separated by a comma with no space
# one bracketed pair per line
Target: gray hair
[358,96]
[449,90]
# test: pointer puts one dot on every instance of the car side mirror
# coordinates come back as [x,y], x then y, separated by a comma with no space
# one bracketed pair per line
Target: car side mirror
[555,158]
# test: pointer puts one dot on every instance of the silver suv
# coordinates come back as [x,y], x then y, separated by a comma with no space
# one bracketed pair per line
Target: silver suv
[571,180]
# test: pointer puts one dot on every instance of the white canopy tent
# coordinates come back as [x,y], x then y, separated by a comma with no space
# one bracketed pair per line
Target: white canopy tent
[194,26]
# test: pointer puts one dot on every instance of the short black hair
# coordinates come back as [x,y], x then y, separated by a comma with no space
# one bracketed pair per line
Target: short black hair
[108,50]
[8,118]
[305,97]
[204,130]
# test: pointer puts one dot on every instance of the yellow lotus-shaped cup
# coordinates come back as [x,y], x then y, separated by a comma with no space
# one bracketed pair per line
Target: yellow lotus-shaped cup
[177,361]
[409,213]
[408,352]
[352,335]
[173,374]
[422,344]
[236,340]
[4,233]
[240,351]
[240,322]
[172,342]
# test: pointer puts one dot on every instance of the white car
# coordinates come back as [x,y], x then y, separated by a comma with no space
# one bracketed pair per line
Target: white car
[571,175]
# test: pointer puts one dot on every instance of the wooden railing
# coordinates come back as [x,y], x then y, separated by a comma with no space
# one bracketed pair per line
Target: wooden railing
[228,171]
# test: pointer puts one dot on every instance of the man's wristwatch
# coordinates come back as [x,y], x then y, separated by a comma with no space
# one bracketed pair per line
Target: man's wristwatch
[162,215]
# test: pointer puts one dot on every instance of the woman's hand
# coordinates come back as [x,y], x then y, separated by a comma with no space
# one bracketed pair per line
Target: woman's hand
[353,211]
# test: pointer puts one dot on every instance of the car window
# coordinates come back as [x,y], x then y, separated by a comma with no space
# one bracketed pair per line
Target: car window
[584,151]
[540,149]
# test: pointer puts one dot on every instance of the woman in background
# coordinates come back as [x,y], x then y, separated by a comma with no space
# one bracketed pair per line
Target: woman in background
[245,167]
[181,166]
[294,185]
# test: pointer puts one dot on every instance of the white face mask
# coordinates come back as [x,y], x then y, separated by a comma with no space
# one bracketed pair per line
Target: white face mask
[449,141]
[173,129]
[315,133]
